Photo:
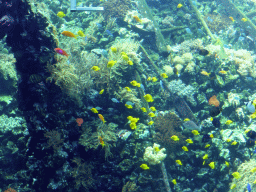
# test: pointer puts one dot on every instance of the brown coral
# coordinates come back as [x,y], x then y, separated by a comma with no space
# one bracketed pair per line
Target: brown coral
[214,101]
[116,8]
[217,22]
[166,126]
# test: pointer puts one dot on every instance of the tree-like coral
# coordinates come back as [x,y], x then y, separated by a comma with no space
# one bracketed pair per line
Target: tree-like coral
[167,125]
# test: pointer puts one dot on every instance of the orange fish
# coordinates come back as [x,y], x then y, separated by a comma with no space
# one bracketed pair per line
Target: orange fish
[101,141]
[79,121]
[101,118]
[61,51]
[68,34]
[232,19]
[137,19]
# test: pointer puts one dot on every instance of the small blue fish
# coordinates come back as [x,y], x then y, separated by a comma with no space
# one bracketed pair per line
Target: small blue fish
[188,30]
[109,33]
[114,100]
[249,187]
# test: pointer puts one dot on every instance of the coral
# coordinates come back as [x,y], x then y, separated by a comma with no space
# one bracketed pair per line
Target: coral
[182,90]
[217,22]
[129,187]
[82,174]
[178,67]
[190,68]
[116,8]
[168,21]
[247,176]
[54,140]
[91,139]
[214,101]
[10,190]
[233,99]
[154,155]
[178,60]
[14,124]
[167,125]
[168,70]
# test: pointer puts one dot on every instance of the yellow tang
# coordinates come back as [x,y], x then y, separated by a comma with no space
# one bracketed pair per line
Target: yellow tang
[130,62]
[175,138]
[164,75]
[189,141]
[154,79]
[143,109]
[228,122]
[151,114]
[205,156]
[150,122]
[61,14]
[174,181]
[101,91]
[144,166]
[185,148]
[234,143]
[187,119]
[113,49]
[128,89]
[179,162]
[234,186]
[128,106]
[94,110]
[195,132]
[236,175]
[95,68]
[148,98]
[152,108]
[81,33]
[227,163]
[133,125]
[111,63]
[207,145]
[212,165]
[179,5]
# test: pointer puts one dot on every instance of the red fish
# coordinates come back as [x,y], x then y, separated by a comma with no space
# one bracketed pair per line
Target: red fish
[61,51]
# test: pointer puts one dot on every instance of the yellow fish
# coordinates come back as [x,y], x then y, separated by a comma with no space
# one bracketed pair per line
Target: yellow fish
[154,79]
[207,145]
[254,182]
[61,14]
[244,19]
[185,148]
[135,83]
[203,163]
[179,5]
[143,109]
[149,78]
[102,118]
[151,114]
[212,165]
[253,116]
[113,49]
[253,170]
[236,175]
[95,68]
[133,125]
[205,73]
[178,162]
[128,89]
[187,119]
[152,108]
[223,72]
[189,141]
[195,132]
[228,122]
[234,186]
[94,110]
[148,98]
[130,62]
[205,156]
[164,75]
[111,63]
[125,57]
[228,140]
[133,119]
[81,33]
[234,143]
[227,163]
[174,181]
[150,122]
[175,138]
[232,19]
[101,91]
[128,106]
[69,34]
[144,166]
[211,136]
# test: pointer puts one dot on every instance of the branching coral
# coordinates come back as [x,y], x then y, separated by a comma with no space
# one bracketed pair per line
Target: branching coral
[217,22]
[166,126]
[116,8]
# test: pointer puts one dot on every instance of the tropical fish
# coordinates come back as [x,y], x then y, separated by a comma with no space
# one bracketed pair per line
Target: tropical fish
[195,132]
[102,118]
[179,5]
[61,51]
[136,18]
[236,175]
[148,98]
[101,91]
[174,181]
[152,108]
[233,186]
[187,119]
[253,170]
[203,52]
[109,33]
[156,149]
[214,101]
[207,145]
[250,106]
[185,148]
[79,121]
[133,119]
[128,106]
[130,62]
[212,165]
[149,78]
[206,138]
[81,33]
[232,19]
[150,122]
[111,63]
[133,125]
[227,163]
[244,19]
[61,14]
[94,110]
[128,89]
[189,141]
[215,111]
[228,122]
[135,83]
[68,34]
[101,141]
[143,109]
[234,143]
[205,73]
[223,72]
[151,114]
[125,57]
[154,79]
[249,188]
[113,49]
[175,138]
[95,68]
[205,156]
[211,136]
[164,75]
[228,140]
[114,100]
[179,162]
[144,166]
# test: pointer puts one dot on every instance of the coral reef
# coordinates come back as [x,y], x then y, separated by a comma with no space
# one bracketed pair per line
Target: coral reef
[154,155]
[116,8]
[167,125]
[217,22]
